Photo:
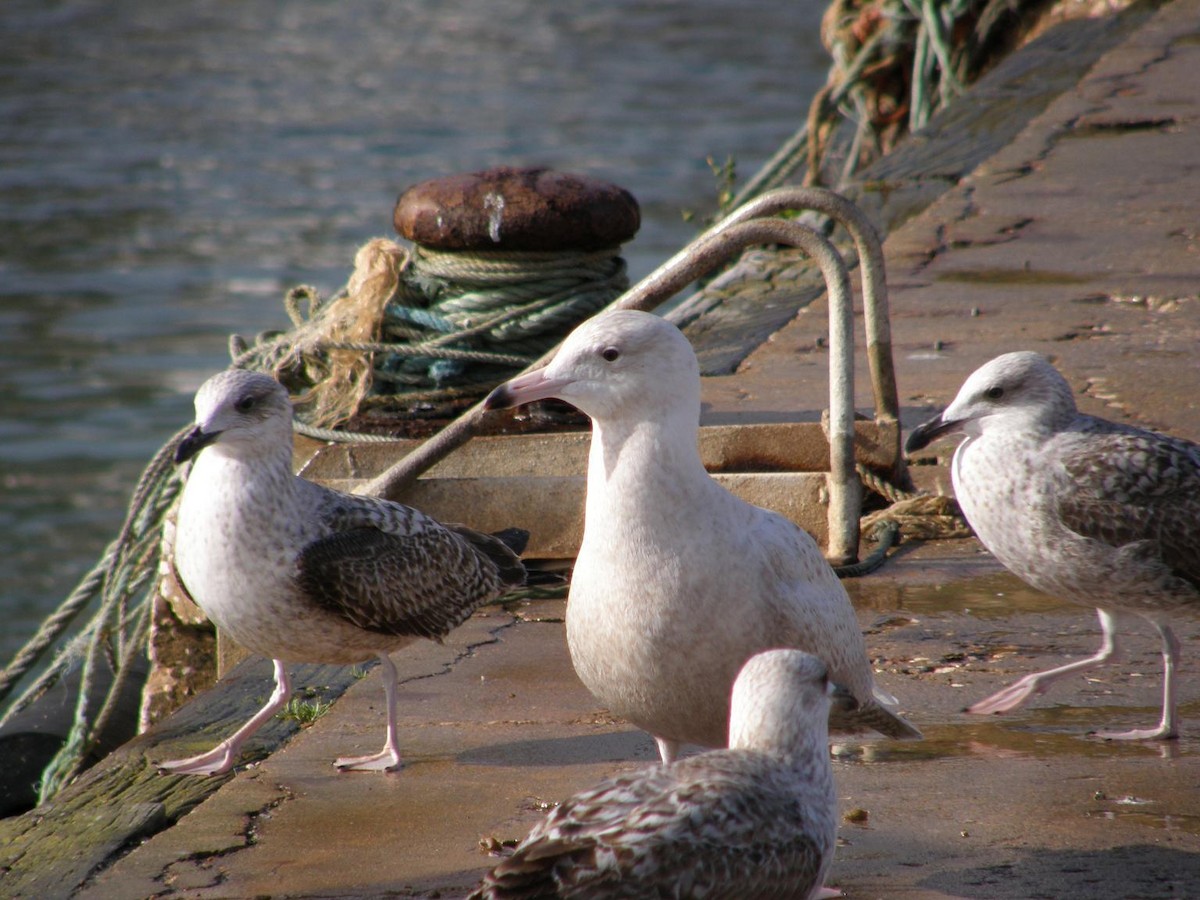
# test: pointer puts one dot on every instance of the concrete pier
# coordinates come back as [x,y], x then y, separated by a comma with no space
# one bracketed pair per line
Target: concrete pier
[1079,238]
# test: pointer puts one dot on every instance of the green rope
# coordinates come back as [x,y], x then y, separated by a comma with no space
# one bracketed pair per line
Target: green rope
[139,536]
[116,633]
[451,326]
[882,486]
[58,622]
[423,350]
[919,54]
[503,310]
[338,435]
[887,533]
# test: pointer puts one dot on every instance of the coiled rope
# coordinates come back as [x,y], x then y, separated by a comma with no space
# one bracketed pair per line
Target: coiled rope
[912,515]
[116,634]
[417,333]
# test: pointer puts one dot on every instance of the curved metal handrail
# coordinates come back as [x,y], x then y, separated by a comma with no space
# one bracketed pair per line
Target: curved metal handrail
[696,260]
[874,280]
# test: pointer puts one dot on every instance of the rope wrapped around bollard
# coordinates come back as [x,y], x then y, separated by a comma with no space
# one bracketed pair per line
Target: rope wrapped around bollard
[503,263]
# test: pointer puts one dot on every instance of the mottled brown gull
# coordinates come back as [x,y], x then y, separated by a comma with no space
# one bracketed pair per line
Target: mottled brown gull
[678,582]
[301,573]
[1092,511]
[755,821]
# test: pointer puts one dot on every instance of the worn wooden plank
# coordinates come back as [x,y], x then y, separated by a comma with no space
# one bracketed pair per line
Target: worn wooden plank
[49,851]
[752,301]
[774,447]
[538,481]
[108,827]
[551,507]
[960,137]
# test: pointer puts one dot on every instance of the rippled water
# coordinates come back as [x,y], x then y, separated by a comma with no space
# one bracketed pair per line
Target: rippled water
[167,170]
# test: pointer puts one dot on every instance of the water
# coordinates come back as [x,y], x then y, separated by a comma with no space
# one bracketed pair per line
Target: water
[167,170]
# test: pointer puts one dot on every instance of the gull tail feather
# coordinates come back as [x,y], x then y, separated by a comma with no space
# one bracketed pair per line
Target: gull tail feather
[884,699]
[501,549]
[515,539]
[518,878]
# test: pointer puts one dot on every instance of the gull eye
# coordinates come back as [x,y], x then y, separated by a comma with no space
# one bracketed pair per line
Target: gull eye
[994,393]
[610,354]
[244,404]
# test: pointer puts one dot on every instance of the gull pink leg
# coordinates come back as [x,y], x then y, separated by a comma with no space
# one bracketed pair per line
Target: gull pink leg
[1019,692]
[387,759]
[1168,727]
[222,757]
[668,750]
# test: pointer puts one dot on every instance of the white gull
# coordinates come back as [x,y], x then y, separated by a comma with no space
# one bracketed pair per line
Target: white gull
[755,821]
[301,573]
[678,582]
[1095,512]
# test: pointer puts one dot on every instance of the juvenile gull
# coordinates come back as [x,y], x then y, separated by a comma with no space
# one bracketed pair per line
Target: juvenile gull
[300,573]
[678,582]
[1092,511]
[755,821]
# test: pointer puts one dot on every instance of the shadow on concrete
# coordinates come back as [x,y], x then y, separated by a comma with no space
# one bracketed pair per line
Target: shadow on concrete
[1117,873]
[625,746]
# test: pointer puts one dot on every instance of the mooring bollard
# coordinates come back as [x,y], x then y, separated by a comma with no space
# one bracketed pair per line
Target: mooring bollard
[517,210]
[505,263]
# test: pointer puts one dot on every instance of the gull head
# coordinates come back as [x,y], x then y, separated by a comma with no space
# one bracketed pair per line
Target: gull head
[618,365]
[781,701]
[240,411]
[1017,391]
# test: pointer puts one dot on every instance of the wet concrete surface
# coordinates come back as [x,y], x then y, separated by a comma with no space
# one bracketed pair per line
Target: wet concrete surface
[495,726]
[1080,239]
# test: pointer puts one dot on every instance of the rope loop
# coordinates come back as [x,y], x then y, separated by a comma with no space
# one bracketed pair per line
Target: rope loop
[416,332]
[116,635]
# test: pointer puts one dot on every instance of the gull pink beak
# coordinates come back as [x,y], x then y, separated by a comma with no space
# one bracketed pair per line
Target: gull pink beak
[525,389]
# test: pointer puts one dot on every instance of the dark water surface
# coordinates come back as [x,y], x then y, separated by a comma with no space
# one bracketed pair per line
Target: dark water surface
[167,170]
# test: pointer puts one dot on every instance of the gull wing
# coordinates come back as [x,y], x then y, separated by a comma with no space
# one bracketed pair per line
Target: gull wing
[421,583]
[1137,487]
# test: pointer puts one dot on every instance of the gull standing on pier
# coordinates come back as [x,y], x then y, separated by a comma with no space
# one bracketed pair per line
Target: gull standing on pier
[1095,512]
[678,582]
[757,820]
[301,573]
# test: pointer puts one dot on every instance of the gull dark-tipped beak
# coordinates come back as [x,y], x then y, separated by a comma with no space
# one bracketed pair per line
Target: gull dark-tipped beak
[928,432]
[523,389]
[500,398]
[193,442]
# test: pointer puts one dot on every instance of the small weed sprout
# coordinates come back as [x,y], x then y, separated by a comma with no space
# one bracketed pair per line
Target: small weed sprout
[303,710]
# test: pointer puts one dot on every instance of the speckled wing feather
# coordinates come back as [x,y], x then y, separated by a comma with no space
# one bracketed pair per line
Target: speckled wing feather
[1135,486]
[500,548]
[404,574]
[710,826]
